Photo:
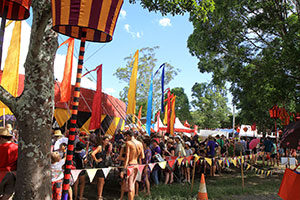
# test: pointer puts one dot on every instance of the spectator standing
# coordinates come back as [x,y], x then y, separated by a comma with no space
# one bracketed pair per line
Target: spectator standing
[211,152]
[8,163]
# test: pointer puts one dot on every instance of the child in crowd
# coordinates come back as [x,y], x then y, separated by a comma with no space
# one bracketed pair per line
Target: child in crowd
[57,175]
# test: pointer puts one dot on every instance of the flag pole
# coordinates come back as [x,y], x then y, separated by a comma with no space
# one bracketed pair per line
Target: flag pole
[72,132]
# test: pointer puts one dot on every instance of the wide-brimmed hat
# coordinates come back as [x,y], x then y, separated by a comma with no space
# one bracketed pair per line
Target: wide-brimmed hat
[57,133]
[4,132]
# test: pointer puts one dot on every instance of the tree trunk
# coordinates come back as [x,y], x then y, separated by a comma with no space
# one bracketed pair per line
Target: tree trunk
[34,108]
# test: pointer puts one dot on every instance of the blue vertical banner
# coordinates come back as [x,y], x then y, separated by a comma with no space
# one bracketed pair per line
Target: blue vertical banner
[149,107]
[162,89]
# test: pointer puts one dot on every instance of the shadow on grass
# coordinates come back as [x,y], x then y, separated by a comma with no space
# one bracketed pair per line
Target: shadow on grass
[227,186]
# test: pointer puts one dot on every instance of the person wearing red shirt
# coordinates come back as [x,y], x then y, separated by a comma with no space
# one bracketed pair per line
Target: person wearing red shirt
[8,152]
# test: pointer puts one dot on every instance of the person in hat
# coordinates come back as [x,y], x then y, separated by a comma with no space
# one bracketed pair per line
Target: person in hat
[8,158]
[56,135]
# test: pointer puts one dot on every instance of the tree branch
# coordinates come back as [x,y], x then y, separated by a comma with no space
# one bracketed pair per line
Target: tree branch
[9,100]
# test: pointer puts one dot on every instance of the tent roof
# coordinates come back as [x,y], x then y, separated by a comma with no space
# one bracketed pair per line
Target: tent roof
[111,105]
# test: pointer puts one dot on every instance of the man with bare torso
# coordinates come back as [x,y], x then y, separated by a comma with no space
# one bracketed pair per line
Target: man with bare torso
[134,155]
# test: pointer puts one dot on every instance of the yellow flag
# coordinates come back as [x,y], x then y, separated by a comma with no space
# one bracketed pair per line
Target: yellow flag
[162,164]
[10,76]
[248,166]
[268,173]
[262,172]
[209,161]
[233,162]
[166,115]
[196,158]
[220,162]
[132,86]
[179,160]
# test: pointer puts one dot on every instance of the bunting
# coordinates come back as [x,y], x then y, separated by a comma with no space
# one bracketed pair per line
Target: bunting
[132,86]
[162,164]
[179,160]
[91,173]
[65,87]
[106,171]
[209,161]
[75,173]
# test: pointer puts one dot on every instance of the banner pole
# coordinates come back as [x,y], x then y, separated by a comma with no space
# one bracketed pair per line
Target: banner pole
[72,132]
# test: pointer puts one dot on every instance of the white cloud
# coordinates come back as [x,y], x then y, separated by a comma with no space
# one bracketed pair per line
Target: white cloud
[133,34]
[165,22]
[123,14]
[126,26]
[109,91]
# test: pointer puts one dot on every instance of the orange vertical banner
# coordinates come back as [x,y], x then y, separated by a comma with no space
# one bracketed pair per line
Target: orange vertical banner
[140,116]
[173,116]
[65,87]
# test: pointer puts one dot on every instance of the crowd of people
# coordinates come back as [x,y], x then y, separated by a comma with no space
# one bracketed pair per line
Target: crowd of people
[128,149]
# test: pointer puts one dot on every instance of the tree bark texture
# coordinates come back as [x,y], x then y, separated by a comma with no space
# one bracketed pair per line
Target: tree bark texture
[34,108]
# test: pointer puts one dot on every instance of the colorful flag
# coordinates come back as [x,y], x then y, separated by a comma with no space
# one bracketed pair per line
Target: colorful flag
[149,106]
[162,88]
[10,76]
[166,115]
[97,102]
[173,116]
[65,87]
[140,116]
[132,86]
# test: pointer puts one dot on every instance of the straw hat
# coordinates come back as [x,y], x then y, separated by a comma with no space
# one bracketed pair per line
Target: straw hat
[57,133]
[4,132]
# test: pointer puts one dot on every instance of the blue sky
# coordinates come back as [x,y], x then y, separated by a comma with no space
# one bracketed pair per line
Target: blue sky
[137,28]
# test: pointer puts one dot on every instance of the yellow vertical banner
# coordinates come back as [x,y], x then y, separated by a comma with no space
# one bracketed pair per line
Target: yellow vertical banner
[166,115]
[132,86]
[172,122]
[10,76]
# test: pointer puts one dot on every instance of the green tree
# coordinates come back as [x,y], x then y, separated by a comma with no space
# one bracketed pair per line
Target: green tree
[146,66]
[34,108]
[255,46]
[182,105]
[199,8]
[210,104]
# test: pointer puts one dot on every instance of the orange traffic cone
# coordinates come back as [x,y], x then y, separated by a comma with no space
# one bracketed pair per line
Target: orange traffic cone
[202,193]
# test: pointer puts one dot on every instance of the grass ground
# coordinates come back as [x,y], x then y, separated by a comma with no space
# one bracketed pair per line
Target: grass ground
[228,186]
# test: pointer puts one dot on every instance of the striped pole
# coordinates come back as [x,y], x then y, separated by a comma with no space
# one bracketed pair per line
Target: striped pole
[72,132]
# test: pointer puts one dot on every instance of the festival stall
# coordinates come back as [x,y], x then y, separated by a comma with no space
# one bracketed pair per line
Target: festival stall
[203,133]
[246,131]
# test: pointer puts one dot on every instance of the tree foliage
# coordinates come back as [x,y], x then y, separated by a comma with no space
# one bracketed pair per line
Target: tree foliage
[210,104]
[255,46]
[182,105]
[199,8]
[147,65]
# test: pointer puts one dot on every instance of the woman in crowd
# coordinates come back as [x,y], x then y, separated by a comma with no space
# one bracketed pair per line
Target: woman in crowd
[147,160]
[101,158]
[169,152]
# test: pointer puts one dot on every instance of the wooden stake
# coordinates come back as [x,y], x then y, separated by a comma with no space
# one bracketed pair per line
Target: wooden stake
[193,177]
[242,171]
